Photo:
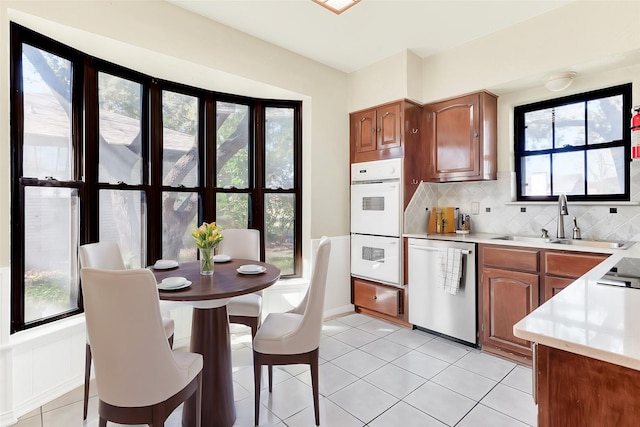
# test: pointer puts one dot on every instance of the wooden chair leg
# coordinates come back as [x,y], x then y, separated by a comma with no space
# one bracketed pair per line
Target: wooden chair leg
[102,422]
[313,362]
[257,371]
[198,405]
[270,378]
[171,341]
[87,379]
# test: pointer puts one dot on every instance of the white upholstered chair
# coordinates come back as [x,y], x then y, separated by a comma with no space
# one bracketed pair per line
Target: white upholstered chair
[107,255]
[294,337]
[139,379]
[245,244]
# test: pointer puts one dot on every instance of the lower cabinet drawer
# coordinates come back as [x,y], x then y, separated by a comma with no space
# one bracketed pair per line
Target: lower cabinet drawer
[379,298]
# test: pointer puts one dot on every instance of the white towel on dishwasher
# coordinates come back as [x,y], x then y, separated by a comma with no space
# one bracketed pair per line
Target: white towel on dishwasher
[450,270]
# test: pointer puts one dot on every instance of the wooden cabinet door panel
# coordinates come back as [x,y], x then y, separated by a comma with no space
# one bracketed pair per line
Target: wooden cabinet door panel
[389,126]
[512,258]
[508,296]
[456,137]
[553,285]
[571,264]
[363,126]
[382,299]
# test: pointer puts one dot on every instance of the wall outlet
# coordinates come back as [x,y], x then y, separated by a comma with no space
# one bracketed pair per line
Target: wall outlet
[475,208]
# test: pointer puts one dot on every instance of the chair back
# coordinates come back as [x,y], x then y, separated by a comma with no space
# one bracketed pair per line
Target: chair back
[134,364]
[312,305]
[104,255]
[241,243]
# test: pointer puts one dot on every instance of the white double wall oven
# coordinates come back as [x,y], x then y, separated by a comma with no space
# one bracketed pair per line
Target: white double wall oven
[376,221]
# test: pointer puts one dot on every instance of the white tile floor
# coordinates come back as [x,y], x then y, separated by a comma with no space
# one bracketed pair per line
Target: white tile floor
[372,374]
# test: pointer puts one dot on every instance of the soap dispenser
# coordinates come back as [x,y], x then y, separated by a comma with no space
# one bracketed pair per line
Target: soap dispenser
[576,230]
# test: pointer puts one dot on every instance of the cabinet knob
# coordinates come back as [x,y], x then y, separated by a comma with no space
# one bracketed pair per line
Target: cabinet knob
[379,129]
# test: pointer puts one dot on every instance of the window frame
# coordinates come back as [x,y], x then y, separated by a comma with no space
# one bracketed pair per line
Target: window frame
[520,153]
[85,144]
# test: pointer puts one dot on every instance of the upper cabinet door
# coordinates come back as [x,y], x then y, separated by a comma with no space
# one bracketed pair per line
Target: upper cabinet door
[389,126]
[461,138]
[363,129]
[455,144]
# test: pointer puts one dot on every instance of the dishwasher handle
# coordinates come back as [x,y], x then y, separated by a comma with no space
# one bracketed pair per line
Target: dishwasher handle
[432,249]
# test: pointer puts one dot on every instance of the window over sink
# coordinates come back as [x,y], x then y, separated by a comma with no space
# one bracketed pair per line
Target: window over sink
[578,145]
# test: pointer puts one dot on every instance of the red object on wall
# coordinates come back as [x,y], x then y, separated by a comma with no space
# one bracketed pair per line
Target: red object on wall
[635,133]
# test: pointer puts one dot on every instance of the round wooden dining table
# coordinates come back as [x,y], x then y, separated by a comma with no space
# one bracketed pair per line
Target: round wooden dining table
[210,329]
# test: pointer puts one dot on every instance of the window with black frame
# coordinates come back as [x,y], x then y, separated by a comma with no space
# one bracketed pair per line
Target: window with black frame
[102,152]
[577,145]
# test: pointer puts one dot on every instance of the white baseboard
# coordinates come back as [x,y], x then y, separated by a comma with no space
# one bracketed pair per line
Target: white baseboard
[345,309]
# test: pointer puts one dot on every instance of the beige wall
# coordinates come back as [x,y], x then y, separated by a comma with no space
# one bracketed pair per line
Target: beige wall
[161,40]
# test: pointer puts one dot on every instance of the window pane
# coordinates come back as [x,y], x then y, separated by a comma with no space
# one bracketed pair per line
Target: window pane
[123,219]
[180,139]
[537,175]
[279,237]
[569,125]
[232,210]
[538,130]
[604,171]
[179,219]
[279,148]
[568,173]
[605,119]
[120,147]
[47,115]
[51,222]
[232,145]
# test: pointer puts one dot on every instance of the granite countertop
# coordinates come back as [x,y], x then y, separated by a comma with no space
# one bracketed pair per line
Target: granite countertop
[586,318]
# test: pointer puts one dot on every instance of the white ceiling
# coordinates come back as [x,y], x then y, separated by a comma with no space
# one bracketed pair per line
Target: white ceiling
[372,29]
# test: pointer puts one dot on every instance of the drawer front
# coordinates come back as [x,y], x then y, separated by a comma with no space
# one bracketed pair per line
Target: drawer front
[511,259]
[571,264]
[378,298]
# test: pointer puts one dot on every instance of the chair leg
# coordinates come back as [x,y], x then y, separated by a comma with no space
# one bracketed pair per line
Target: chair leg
[171,341]
[313,362]
[270,378]
[199,401]
[254,328]
[257,371]
[87,379]
[102,422]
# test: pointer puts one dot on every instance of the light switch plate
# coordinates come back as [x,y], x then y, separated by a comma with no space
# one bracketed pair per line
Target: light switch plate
[475,208]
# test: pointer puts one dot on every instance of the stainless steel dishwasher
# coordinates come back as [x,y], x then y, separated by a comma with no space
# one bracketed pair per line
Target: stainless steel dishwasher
[433,309]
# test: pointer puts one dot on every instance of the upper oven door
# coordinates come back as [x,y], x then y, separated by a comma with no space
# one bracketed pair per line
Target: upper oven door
[375,208]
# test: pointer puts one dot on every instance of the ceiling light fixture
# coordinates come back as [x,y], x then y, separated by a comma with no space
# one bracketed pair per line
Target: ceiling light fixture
[336,6]
[560,81]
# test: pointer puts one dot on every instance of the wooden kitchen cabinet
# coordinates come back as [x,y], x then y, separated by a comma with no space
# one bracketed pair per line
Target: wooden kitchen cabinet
[510,286]
[390,131]
[380,300]
[562,268]
[461,138]
[515,280]
[575,390]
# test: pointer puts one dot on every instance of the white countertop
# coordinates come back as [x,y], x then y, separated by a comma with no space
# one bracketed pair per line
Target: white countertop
[597,321]
[593,320]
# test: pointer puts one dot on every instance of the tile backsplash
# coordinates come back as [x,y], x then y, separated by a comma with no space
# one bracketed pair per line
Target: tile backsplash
[499,214]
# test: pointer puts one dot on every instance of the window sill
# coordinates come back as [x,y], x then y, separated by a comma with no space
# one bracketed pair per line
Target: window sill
[586,203]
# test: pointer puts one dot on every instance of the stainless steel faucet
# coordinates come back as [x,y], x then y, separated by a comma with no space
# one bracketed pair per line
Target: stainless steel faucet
[562,211]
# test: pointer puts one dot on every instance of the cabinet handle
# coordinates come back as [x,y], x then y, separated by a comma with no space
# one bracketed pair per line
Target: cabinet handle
[414,181]
[475,134]
[534,373]
[414,130]
[375,297]
[379,129]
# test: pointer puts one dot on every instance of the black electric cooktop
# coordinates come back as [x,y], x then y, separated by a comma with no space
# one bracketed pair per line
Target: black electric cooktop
[626,273]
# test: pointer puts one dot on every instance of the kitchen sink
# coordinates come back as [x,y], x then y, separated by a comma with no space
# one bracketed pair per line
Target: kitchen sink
[525,239]
[604,244]
[607,244]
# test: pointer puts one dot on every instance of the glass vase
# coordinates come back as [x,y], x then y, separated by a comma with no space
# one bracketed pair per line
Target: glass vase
[206,262]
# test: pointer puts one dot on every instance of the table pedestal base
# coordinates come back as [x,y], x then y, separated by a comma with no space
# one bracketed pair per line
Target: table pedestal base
[210,337]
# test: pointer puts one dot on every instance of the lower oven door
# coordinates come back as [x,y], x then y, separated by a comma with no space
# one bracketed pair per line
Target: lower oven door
[376,258]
